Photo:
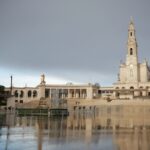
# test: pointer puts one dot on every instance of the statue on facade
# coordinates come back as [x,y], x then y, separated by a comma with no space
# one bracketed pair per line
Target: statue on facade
[42,79]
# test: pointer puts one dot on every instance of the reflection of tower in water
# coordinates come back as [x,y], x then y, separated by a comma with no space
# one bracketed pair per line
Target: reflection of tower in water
[40,126]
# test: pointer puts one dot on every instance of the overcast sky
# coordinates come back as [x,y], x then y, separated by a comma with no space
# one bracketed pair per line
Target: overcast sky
[78,41]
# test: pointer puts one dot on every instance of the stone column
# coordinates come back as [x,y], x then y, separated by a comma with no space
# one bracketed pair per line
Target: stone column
[32,94]
[26,94]
[89,92]
[74,94]
[81,96]
[69,95]
[50,93]
[136,93]
[114,93]
[144,93]
[19,92]
[77,93]
[42,91]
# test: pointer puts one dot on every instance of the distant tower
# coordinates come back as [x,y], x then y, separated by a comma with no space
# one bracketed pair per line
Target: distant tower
[132,52]
[132,55]
[133,74]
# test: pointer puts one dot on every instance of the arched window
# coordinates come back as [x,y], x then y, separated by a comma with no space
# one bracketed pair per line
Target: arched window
[131,87]
[131,51]
[34,93]
[21,93]
[29,93]
[16,93]
[130,33]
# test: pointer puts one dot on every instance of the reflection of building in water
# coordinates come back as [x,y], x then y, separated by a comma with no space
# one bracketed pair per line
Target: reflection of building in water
[104,117]
[133,81]
[134,140]
[40,133]
[112,117]
[128,126]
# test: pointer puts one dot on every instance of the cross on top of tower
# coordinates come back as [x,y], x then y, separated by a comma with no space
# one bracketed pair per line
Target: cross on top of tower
[131,20]
[131,24]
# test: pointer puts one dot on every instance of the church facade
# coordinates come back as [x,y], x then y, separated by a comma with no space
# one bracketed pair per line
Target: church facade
[133,77]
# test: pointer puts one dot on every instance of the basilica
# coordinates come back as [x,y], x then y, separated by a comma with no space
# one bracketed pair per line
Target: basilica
[134,77]
[133,82]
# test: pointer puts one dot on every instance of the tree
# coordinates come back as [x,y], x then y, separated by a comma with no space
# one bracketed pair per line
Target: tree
[97,84]
[3,96]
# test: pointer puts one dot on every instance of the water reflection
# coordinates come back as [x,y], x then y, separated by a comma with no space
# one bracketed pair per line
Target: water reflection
[111,128]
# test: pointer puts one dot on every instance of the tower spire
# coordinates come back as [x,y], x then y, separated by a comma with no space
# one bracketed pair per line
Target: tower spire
[131,25]
[131,20]
[132,56]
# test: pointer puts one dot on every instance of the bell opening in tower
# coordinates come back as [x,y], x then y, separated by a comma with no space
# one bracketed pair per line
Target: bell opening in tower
[131,51]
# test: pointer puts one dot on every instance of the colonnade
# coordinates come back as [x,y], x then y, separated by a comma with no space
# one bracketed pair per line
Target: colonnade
[66,93]
[131,92]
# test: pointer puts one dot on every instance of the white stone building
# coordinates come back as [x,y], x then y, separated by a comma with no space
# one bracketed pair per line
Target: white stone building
[49,91]
[133,81]
[134,77]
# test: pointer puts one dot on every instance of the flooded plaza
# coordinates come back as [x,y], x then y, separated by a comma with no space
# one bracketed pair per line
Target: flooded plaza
[101,128]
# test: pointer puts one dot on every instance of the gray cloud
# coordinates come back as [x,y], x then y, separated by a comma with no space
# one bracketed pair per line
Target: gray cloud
[82,37]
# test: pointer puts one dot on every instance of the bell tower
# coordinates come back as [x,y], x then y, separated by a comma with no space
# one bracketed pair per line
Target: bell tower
[132,52]
[132,66]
